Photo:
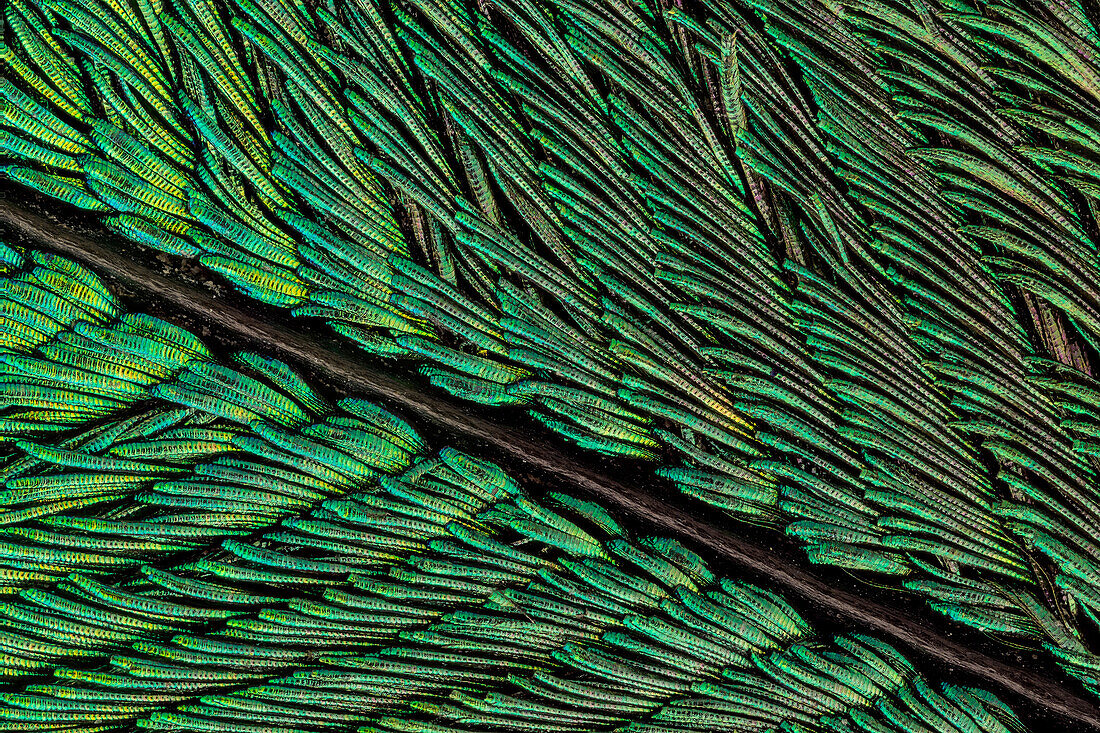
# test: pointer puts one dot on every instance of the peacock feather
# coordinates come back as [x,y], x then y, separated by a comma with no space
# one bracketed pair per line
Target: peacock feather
[213,546]
[827,266]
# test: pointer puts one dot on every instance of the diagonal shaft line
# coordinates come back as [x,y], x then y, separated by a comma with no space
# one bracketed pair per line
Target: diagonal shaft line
[865,615]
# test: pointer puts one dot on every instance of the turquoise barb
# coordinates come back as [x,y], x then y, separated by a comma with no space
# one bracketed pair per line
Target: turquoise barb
[826,266]
[220,547]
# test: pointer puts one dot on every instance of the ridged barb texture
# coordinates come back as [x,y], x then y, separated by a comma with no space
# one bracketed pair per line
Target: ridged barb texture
[827,265]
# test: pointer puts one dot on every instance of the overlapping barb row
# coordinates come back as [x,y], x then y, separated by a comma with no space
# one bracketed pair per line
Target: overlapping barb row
[186,545]
[831,265]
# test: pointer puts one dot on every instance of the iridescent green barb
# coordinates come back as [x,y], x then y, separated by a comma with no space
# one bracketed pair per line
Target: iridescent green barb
[225,550]
[828,266]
